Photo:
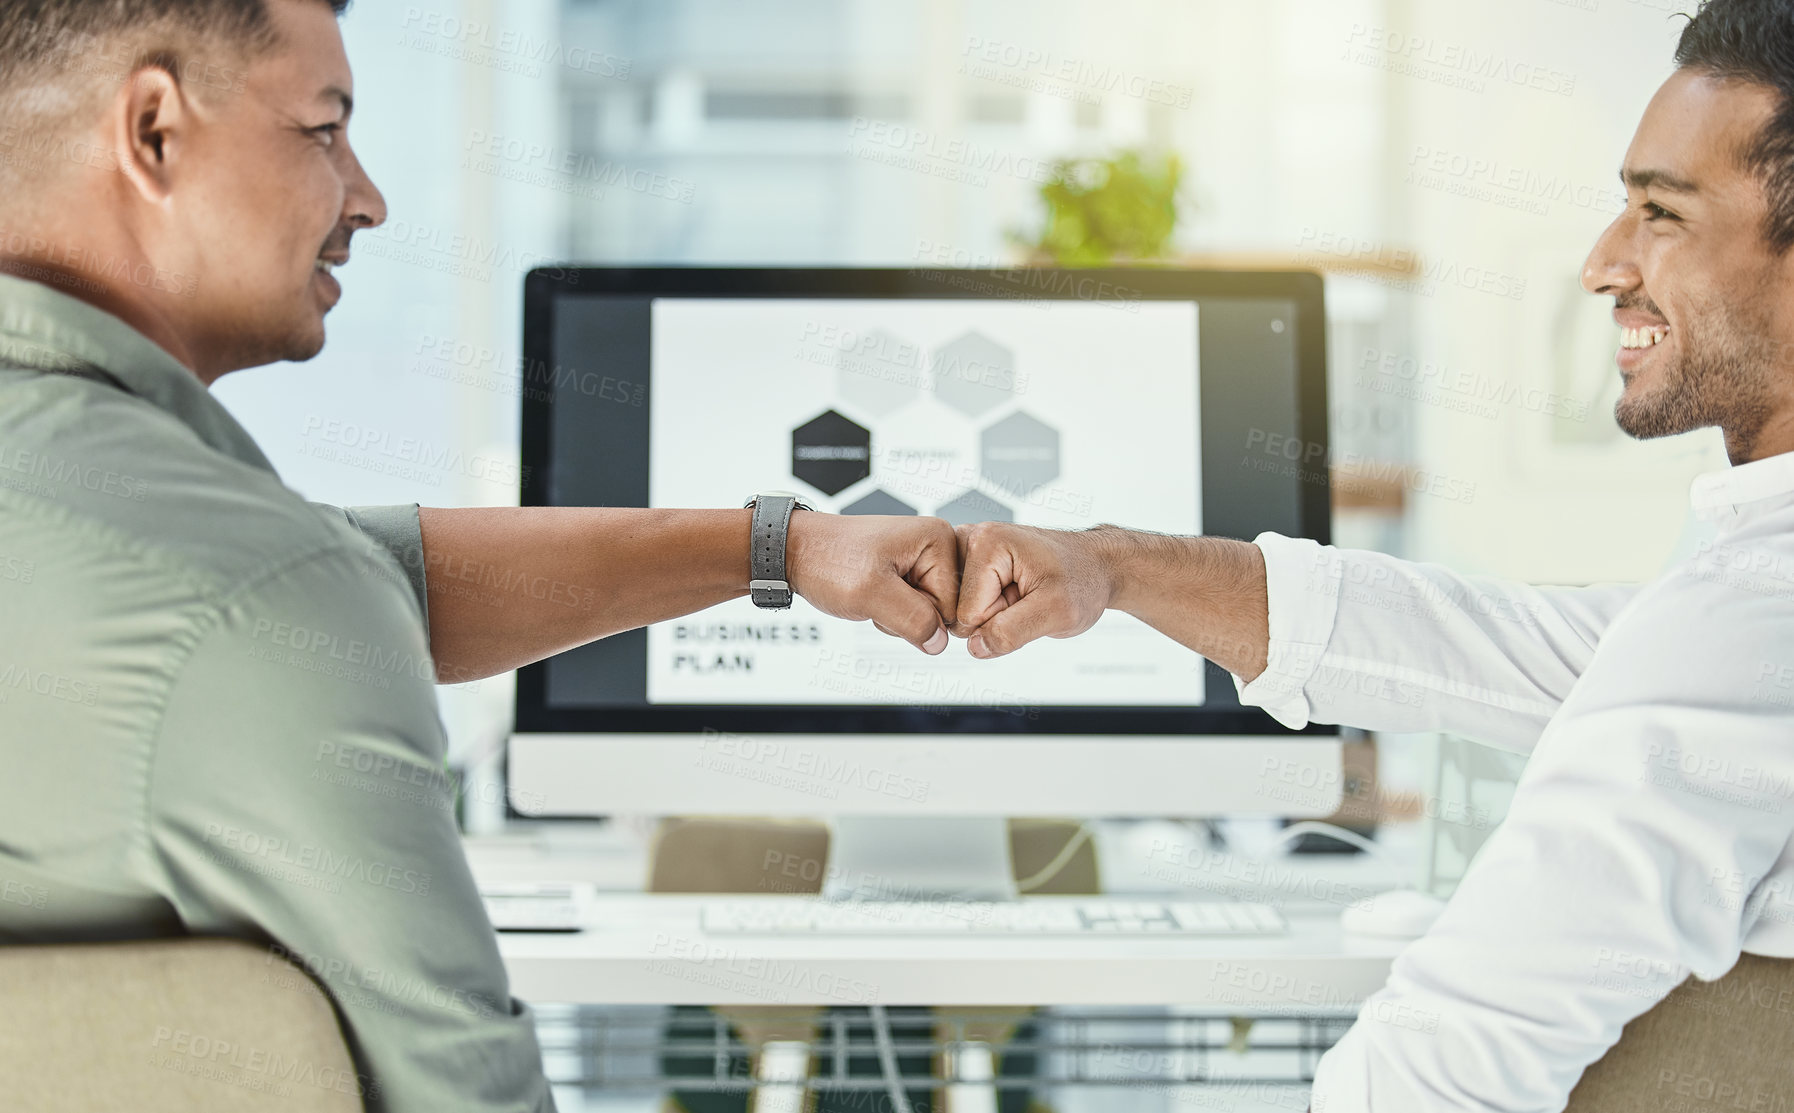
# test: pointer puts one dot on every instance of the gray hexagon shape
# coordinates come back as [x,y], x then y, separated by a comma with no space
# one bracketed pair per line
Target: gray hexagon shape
[880,373]
[973,507]
[974,374]
[879,502]
[1020,453]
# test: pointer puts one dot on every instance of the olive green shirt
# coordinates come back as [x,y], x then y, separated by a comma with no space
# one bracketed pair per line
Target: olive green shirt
[218,715]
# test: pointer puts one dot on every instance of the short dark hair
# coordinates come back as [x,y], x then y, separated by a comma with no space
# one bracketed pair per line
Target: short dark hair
[1753,41]
[38,34]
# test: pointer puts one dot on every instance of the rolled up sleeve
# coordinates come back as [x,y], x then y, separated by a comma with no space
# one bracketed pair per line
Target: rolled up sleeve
[1302,589]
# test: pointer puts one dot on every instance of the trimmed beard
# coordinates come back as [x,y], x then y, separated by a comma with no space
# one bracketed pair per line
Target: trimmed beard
[1724,378]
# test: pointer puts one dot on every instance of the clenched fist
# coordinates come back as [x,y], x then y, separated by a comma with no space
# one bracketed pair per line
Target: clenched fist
[1020,583]
[901,573]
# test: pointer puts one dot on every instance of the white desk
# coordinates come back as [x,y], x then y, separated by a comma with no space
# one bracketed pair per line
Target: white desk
[642,949]
[650,950]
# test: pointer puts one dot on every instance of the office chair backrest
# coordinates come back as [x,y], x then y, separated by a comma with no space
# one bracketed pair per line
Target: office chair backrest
[169,1026]
[1727,1044]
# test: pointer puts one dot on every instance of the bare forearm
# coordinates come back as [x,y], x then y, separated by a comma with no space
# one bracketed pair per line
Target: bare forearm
[512,585]
[1206,592]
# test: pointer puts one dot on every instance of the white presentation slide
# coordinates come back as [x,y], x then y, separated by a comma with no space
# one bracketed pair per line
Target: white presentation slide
[1061,414]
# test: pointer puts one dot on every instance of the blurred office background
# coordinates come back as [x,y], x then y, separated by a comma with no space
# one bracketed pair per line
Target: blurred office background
[1447,163]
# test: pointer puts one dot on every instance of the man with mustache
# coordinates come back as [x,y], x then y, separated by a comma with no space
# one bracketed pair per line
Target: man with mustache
[1650,835]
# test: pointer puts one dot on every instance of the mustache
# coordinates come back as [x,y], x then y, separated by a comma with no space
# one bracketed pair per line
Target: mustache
[338,243]
[1637,299]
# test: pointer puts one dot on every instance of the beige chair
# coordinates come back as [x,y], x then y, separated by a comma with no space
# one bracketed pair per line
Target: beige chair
[1718,1045]
[170,1026]
[762,856]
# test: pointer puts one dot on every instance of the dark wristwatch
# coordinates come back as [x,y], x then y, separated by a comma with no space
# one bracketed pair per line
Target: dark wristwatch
[768,585]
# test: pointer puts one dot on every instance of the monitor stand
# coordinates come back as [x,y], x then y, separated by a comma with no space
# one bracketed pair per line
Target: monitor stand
[919,858]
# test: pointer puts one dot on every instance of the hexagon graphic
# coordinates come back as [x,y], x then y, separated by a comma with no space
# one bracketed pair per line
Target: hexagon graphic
[879,502]
[975,506]
[1020,453]
[831,453]
[974,374]
[880,373]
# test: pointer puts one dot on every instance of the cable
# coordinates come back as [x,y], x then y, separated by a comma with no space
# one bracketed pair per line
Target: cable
[887,1058]
[1051,870]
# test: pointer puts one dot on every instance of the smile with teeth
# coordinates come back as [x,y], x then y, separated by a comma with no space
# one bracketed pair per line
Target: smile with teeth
[326,266]
[1642,337]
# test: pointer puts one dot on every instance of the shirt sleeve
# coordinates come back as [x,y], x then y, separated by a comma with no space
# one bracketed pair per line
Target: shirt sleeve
[1372,641]
[397,530]
[298,798]
[1661,789]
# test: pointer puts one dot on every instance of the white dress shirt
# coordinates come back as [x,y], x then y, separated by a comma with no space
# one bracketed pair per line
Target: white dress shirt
[1649,835]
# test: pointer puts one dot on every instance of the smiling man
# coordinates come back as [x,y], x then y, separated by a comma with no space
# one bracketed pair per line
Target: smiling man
[217,712]
[1649,838]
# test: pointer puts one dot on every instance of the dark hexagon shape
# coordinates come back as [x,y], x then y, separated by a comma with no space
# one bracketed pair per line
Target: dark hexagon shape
[1020,453]
[973,507]
[831,453]
[974,374]
[880,502]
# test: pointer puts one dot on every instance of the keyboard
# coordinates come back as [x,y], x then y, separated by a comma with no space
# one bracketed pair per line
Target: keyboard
[788,916]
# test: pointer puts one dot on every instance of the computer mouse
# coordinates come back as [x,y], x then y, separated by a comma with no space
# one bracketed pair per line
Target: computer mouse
[1397,914]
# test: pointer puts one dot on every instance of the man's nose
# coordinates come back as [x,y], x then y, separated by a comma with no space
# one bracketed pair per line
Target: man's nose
[1609,268]
[363,206]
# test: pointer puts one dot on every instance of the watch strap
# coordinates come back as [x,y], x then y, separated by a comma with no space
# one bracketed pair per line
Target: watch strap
[768,584]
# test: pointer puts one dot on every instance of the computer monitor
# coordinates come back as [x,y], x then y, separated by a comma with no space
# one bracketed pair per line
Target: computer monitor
[1167,400]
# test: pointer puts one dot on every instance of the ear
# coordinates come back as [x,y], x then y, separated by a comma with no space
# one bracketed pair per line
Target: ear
[150,121]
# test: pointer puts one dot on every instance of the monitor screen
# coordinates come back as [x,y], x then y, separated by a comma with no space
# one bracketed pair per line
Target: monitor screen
[1143,399]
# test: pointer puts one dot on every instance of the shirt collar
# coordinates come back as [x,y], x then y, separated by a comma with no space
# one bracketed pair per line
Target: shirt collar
[1717,494]
[48,330]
